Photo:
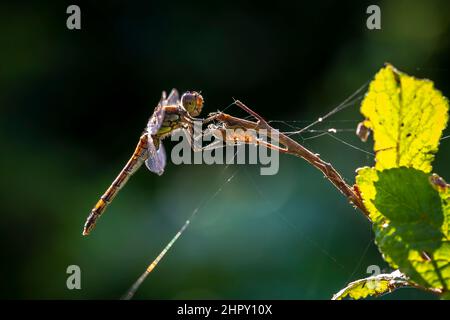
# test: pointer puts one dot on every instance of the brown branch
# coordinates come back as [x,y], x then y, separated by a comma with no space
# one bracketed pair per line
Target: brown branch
[294,148]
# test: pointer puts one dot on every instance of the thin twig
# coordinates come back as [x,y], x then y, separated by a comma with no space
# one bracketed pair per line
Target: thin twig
[294,148]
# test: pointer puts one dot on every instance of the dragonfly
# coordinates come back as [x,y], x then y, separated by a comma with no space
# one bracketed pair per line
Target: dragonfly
[171,114]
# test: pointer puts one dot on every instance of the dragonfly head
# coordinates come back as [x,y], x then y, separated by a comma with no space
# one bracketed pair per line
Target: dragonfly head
[192,101]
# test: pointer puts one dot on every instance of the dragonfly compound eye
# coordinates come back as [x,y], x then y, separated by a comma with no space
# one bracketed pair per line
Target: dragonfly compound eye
[192,102]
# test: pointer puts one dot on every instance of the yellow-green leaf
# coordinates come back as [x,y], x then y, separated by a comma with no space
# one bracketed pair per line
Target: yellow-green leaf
[410,211]
[407,116]
[373,286]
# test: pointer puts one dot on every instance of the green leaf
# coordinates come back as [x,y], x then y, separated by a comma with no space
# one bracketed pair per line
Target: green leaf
[373,286]
[410,217]
[407,116]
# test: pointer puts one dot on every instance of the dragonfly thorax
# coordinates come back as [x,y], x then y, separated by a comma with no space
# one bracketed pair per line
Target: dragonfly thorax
[171,122]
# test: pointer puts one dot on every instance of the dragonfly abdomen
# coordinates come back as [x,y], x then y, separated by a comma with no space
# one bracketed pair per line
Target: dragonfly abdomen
[135,162]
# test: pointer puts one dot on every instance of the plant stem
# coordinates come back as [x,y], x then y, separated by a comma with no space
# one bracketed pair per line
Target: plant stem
[294,148]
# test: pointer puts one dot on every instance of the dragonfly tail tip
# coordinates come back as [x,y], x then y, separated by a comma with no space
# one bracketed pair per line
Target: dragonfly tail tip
[86,230]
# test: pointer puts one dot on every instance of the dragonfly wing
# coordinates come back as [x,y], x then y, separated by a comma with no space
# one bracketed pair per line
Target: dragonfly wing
[174,98]
[156,161]
[156,120]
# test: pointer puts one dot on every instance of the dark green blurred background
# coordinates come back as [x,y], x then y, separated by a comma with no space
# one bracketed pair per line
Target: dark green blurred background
[73,104]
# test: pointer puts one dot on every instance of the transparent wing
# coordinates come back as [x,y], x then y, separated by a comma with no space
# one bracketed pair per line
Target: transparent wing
[156,120]
[156,161]
[173,99]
